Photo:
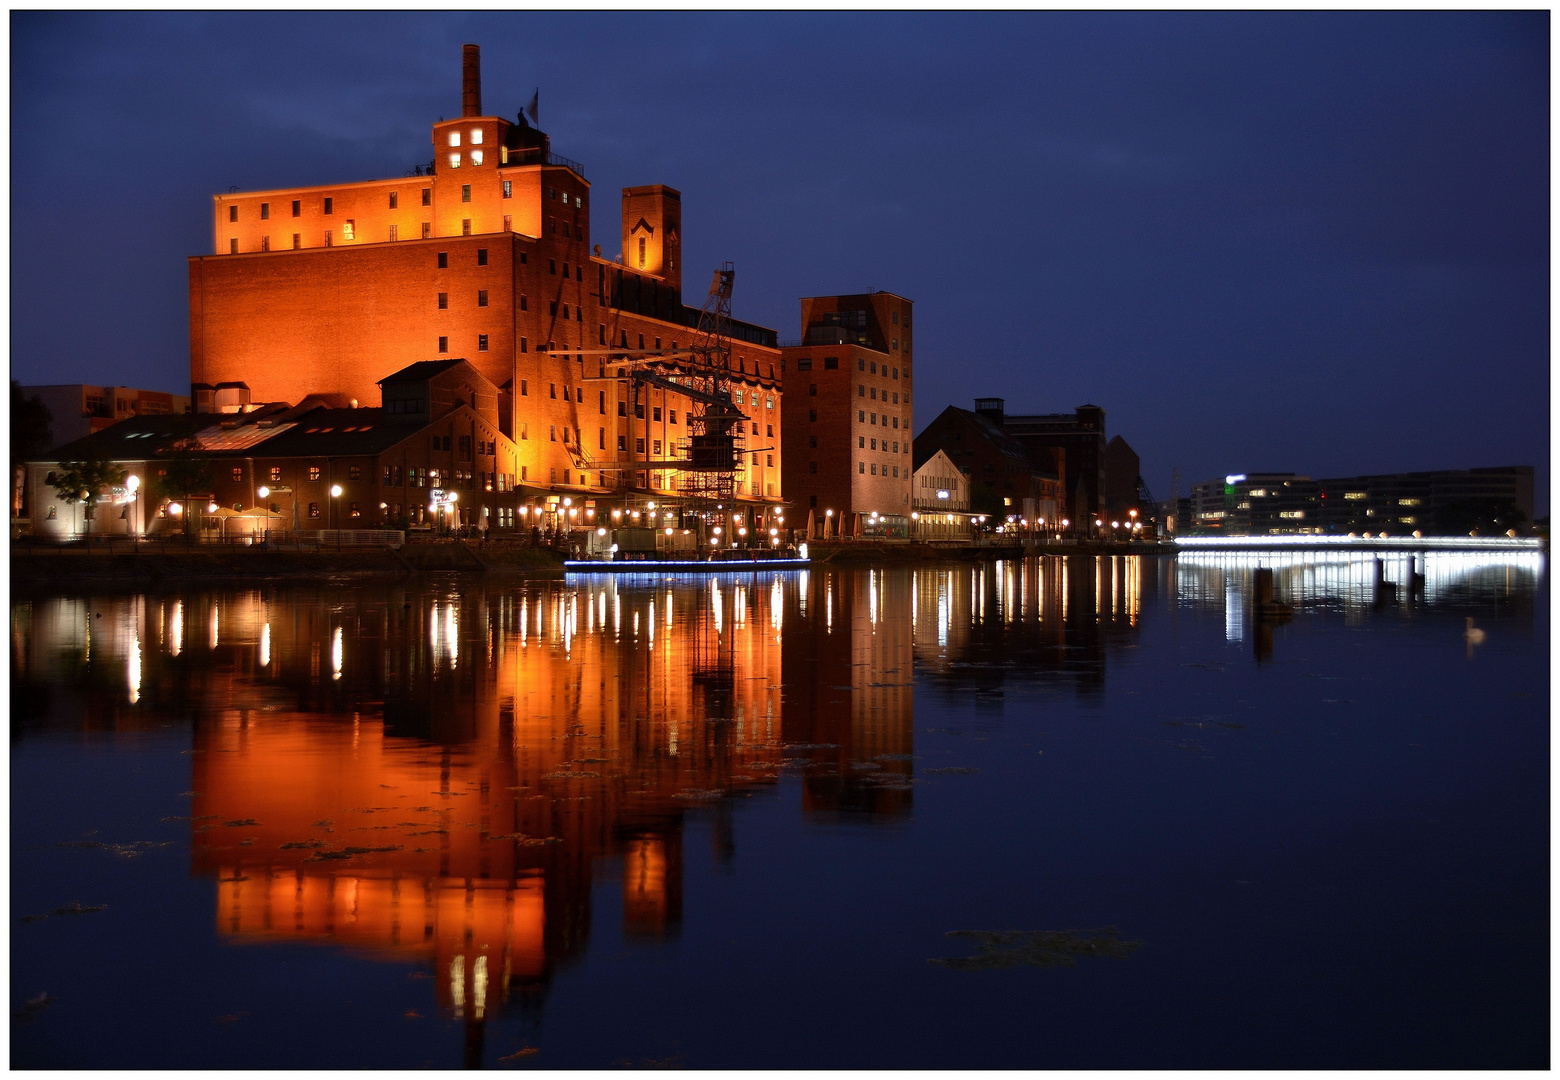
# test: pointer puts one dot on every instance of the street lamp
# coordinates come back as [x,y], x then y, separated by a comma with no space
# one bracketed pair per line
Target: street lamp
[335,493]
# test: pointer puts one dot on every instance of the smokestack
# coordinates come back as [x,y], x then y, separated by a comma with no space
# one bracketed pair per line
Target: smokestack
[470,80]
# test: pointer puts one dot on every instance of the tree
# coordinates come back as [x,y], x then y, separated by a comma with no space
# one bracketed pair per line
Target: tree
[84,482]
[186,470]
[30,436]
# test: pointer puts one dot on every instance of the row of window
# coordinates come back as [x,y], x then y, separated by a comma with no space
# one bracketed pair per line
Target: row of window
[482,299]
[861,444]
[871,367]
[482,343]
[329,204]
[864,417]
[863,467]
[862,390]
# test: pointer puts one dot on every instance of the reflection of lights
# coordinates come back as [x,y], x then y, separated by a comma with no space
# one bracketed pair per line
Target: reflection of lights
[335,655]
[176,628]
[458,986]
[479,980]
[214,626]
[265,645]
[133,673]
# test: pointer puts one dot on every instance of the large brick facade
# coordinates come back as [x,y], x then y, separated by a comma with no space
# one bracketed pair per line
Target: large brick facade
[323,291]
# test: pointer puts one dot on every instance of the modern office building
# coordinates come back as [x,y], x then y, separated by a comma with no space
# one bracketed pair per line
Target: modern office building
[1449,502]
[77,409]
[847,417]
[484,253]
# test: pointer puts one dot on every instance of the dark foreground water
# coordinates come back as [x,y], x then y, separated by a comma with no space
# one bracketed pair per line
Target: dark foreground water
[1059,813]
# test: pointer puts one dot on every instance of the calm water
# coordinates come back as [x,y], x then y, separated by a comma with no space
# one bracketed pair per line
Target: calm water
[588,823]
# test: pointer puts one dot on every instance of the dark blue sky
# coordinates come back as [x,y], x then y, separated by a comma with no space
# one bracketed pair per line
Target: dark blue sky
[1310,242]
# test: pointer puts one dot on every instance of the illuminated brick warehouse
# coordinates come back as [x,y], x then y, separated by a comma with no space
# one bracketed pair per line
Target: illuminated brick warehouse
[321,293]
[848,416]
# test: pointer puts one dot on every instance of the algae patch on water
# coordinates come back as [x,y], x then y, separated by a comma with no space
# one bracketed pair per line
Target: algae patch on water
[1036,948]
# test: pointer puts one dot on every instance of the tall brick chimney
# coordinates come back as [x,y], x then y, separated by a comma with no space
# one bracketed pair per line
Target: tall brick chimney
[470,80]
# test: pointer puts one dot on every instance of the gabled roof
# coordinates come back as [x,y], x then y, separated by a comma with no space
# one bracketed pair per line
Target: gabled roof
[923,448]
[421,371]
[333,432]
[134,438]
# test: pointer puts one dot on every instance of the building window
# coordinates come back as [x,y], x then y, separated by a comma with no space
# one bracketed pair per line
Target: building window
[861,441]
[394,200]
[297,207]
[861,390]
[639,446]
[622,444]
[476,157]
[395,232]
[465,193]
[831,363]
[454,161]
[276,473]
[314,473]
[482,343]
[803,363]
[238,476]
[233,213]
[330,206]
[465,227]
[427,230]
[812,416]
[349,230]
[481,256]
[481,298]
[524,345]
[265,243]
[812,467]
[353,511]
[314,509]
[444,344]
[327,238]
[233,246]
[444,260]
[861,416]
[671,416]
[552,432]
[297,241]
[265,211]
[507,223]
[427,196]
[861,466]
[508,189]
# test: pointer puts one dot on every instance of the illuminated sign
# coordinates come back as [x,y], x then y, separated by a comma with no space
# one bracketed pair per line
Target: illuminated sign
[1235,478]
[942,494]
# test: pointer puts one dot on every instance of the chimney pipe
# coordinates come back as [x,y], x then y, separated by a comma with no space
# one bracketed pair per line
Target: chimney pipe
[470,80]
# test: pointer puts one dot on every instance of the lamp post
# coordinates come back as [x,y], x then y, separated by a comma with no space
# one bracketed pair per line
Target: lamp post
[335,493]
[133,485]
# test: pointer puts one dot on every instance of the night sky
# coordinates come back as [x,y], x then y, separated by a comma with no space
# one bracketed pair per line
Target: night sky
[1313,242]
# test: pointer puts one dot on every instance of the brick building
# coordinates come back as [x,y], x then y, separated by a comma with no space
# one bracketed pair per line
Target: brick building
[320,292]
[847,417]
[433,454]
[1004,481]
[1079,436]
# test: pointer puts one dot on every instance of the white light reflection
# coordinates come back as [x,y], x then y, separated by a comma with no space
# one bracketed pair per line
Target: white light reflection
[715,602]
[776,606]
[265,645]
[479,985]
[133,665]
[176,628]
[335,653]
[214,622]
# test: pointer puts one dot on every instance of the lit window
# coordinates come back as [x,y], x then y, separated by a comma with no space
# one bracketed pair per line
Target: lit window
[454,138]
[476,157]
[454,161]
[347,229]
[508,189]
[476,137]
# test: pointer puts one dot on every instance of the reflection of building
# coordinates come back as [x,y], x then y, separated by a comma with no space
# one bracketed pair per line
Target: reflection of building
[849,667]
[847,419]
[442,776]
[1035,620]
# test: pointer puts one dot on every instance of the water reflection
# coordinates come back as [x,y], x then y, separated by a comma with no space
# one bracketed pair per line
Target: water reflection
[444,773]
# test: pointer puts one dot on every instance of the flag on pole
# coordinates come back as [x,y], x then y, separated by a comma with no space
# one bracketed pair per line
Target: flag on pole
[532,110]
